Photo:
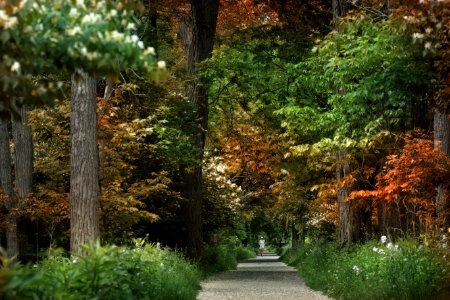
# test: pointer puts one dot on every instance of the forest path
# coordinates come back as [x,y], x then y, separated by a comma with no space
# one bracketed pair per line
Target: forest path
[263,277]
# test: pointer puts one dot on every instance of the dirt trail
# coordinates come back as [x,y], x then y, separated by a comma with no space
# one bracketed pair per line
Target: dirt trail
[260,278]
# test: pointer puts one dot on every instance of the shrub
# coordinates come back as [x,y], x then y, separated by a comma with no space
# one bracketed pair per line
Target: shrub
[371,271]
[106,273]
[242,253]
[218,258]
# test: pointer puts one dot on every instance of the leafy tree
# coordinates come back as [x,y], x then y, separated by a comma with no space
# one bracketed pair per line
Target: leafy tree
[81,37]
[407,185]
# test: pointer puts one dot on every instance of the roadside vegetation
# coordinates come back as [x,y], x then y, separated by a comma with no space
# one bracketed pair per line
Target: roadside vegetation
[376,270]
[209,124]
[143,271]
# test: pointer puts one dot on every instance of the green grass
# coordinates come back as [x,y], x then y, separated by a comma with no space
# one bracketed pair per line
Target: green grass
[371,271]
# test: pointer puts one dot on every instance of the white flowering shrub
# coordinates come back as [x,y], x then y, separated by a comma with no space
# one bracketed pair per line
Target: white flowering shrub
[45,36]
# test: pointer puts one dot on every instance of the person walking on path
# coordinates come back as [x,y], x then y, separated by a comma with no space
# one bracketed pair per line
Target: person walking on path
[261,246]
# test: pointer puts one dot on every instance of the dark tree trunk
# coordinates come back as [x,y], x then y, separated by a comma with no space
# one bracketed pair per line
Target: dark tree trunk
[340,8]
[23,154]
[442,142]
[84,188]
[7,189]
[350,222]
[204,21]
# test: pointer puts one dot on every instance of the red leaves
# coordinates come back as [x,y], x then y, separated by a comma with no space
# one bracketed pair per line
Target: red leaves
[410,177]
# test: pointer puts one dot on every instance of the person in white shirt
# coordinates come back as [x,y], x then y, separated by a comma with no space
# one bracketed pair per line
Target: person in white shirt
[261,246]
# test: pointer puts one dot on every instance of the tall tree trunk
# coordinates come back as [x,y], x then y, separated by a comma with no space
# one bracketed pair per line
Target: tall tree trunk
[204,21]
[442,142]
[12,240]
[23,154]
[350,225]
[84,188]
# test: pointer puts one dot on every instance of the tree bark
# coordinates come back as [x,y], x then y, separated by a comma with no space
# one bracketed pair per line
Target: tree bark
[442,143]
[340,8]
[23,154]
[350,222]
[12,240]
[84,188]
[204,21]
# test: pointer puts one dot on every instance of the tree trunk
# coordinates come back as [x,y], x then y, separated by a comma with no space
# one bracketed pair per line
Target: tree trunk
[442,142]
[340,8]
[204,20]
[12,240]
[350,226]
[84,189]
[350,221]
[23,154]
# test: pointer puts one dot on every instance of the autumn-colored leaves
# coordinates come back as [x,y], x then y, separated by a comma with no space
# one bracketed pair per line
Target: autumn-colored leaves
[407,185]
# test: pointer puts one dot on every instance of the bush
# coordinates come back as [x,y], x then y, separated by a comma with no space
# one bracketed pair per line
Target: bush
[223,257]
[105,273]
[371,271]
[218,258]
[242,253]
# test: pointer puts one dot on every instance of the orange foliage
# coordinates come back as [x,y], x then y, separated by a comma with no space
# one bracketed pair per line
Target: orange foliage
[325,203]
[250,151]
[410,178]
[50,207]
[104,109]
[240,15]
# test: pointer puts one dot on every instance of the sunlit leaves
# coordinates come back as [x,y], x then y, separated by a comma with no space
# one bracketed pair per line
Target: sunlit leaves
[54,36]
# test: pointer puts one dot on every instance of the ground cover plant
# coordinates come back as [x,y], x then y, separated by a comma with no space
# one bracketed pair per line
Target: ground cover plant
[109,272]
[376,270]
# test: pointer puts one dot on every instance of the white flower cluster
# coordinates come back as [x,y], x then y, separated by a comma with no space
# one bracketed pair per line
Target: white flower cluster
[417,36]
[91,18]
[389,246]
[378,250]
[15,67]
[7,21]
[356,269]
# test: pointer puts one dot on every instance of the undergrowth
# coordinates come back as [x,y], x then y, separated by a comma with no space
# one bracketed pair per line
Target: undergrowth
[223,257]
[111,272]
[375,270]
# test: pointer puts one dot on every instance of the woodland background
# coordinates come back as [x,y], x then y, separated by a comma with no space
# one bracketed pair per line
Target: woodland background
[307,120]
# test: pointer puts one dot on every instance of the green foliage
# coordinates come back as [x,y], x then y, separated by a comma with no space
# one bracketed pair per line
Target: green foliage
[242,252]
[51,36]
[222,257]
[375,270]
[110,272]
[366,78]
[218,258]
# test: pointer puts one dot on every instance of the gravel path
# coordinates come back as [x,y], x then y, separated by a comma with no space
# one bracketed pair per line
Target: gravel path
[261,278]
